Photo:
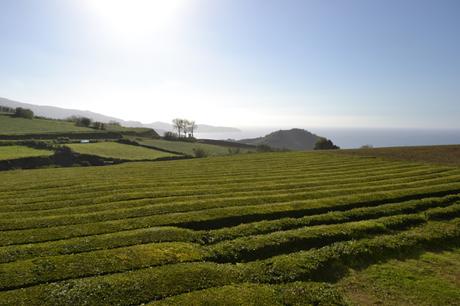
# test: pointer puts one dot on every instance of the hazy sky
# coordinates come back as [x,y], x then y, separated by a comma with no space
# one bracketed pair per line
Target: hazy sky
[283,63]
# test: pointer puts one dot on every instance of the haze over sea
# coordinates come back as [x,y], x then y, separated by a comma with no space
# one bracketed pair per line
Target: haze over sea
[348,138]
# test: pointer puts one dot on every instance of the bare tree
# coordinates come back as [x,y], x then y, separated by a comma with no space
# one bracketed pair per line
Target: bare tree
[192,127]
[184,126]
[178,125]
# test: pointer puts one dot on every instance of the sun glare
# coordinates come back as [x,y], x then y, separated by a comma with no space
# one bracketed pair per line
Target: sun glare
[138,17]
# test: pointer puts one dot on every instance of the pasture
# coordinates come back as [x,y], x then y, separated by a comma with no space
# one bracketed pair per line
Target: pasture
[254,229]
[14,152]
[186,148]
[17,126]
[118,151]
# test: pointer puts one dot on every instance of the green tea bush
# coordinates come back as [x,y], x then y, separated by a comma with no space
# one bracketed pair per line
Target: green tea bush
[246,229]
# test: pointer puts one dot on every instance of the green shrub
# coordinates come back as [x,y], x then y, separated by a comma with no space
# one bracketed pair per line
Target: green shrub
[297,293]
[243,228]
[321,264]
[156,283]
[47,269]
[23,113]
[263,246]
[97,242]
[332,217]
[200,153]
[325,144]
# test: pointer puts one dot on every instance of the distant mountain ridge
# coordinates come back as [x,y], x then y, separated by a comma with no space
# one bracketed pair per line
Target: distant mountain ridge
[56,112]
[294,139]
[63,113]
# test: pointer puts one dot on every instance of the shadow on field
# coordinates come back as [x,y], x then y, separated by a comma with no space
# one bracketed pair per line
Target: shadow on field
[336,270]
[237,220]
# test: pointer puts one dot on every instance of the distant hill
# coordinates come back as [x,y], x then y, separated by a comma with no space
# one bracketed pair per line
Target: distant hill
[14,128]
[62,113]
[294,139]
[56,112]
[19,126]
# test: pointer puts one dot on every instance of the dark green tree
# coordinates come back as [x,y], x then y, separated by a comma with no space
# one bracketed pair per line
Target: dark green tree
[98,125]
[264,148]
[6,109]
[23,113]
[83,121]
[325,144]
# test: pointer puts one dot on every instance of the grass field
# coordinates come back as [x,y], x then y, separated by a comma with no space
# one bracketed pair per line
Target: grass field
[431,279]
[118,151]
[13,152]
[118,128]
[448,155]
[131,130]
[252,229]
[186,148]
[16,126]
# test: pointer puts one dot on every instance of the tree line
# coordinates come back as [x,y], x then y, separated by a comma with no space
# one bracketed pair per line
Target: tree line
[6,109]
[19,112]
[87,122]
[325,144]
[184,127]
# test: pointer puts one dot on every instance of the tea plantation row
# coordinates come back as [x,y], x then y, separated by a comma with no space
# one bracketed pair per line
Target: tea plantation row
[275,228]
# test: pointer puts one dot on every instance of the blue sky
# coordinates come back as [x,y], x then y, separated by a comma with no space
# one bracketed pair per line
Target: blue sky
[290,63]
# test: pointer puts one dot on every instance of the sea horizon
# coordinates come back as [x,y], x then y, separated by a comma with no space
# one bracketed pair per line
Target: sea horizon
[348,138]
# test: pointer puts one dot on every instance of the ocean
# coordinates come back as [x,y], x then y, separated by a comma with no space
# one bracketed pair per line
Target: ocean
[348,138]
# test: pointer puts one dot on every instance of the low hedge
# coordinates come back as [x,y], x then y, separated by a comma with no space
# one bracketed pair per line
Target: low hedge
[129,288]
[53,268]
[149,284]
[222,217]
[264,246]
[323,263]
[256,208]
[75,135]
[97,242]
[99,201]
[333,217]
[36,196]
[46,269]
[297,293]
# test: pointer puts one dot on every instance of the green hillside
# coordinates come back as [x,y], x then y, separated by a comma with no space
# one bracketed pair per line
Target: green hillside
[15,126]
[293,139]
[250,229]
[186,148]
[118,151]
[118,128]
[13,152]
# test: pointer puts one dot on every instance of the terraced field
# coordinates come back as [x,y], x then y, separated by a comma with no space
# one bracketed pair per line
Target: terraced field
[13,152]
[16,126]
[446,155]
[118,151]
[254,229]
[186,148]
